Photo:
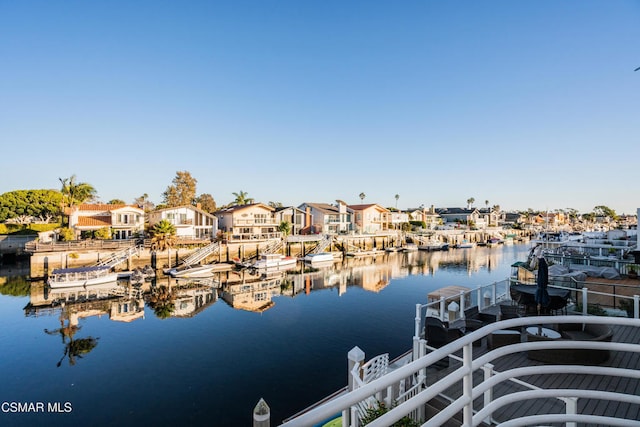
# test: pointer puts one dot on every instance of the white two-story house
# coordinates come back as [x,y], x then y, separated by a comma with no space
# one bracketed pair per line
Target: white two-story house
[124,221]
[190,222]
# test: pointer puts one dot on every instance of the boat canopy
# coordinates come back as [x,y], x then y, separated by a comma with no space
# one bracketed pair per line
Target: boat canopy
[81,269]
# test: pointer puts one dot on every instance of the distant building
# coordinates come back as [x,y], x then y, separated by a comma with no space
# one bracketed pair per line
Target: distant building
[124,221]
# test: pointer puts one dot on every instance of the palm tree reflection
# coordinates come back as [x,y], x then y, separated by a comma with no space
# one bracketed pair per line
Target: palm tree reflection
[162,301]
[74,348]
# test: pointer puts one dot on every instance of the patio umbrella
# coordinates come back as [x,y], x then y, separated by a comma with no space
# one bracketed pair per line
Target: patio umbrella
[542,280]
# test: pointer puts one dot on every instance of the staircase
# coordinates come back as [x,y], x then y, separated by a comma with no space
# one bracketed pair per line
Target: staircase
[201,254]
[416,238]
[118,257]
[322,245]
[273,247]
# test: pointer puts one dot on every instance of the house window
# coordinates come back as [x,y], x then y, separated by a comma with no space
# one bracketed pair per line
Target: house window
[260,218]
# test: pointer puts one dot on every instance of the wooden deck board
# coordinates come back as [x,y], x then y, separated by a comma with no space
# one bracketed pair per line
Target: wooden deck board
[588,382]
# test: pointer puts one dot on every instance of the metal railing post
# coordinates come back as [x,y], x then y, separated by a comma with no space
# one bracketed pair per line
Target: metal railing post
[462,307]
[571,408]
[416,333]
[585,299]
[442,309]
[488,395]
[636,306]
[494,292]
[467,384]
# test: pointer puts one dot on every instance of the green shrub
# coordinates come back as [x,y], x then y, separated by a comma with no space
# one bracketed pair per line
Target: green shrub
[628,306]
[373,413]
[592,309]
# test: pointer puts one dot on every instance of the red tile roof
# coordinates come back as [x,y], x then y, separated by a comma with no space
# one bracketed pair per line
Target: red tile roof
[94,221]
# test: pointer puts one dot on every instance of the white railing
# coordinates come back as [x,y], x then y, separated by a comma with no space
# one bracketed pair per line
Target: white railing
[465,372]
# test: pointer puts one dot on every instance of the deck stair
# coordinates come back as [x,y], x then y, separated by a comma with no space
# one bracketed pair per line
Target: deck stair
[274,246]
[200,254]
[322,244]
[119,257]
[418,239]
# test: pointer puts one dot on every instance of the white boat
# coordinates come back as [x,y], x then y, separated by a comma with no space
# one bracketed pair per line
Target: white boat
[274,261]
[466,244]
[317,258]
[196,271]
[434,245]
[393,249]
[81,276]
[410,247]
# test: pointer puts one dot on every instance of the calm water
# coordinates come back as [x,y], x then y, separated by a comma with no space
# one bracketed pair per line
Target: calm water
[283,338]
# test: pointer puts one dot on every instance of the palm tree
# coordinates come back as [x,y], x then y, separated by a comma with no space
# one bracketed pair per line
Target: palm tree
[75,193]
[397,197]
[241,198]
[470,202]
[362,196]
[163,238]
[285,228]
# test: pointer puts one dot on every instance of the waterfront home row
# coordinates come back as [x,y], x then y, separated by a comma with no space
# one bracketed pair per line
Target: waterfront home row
[261,221]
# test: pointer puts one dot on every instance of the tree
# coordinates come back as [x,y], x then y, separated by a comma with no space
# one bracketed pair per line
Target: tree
[75,193]
[116,202]
[206,202]
[182,192]
[362,196]
[66,234]
[605,212]
[103,233]
[285,228]
[275,204]
[241,199]
[397,197]
[470,202]
[43,204]
[144,203]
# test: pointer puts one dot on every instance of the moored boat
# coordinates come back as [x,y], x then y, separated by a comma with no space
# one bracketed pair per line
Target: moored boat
[81,276]
[320,257]
[197,271]
[274,261]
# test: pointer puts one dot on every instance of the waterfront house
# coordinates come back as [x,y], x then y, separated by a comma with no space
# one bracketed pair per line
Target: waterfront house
[326,218]
[397,218]
[429,216]
[292,215]
[370,218]
[124,221]
[249,222]
[458,215]
[190,222]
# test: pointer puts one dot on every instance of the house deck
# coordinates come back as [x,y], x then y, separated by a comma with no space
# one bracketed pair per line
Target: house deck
[627,360]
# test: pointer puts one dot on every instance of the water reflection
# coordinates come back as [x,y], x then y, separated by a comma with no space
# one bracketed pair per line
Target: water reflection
[74,348]
[124,301]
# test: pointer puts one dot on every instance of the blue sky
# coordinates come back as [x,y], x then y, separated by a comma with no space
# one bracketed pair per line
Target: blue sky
[526,104]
